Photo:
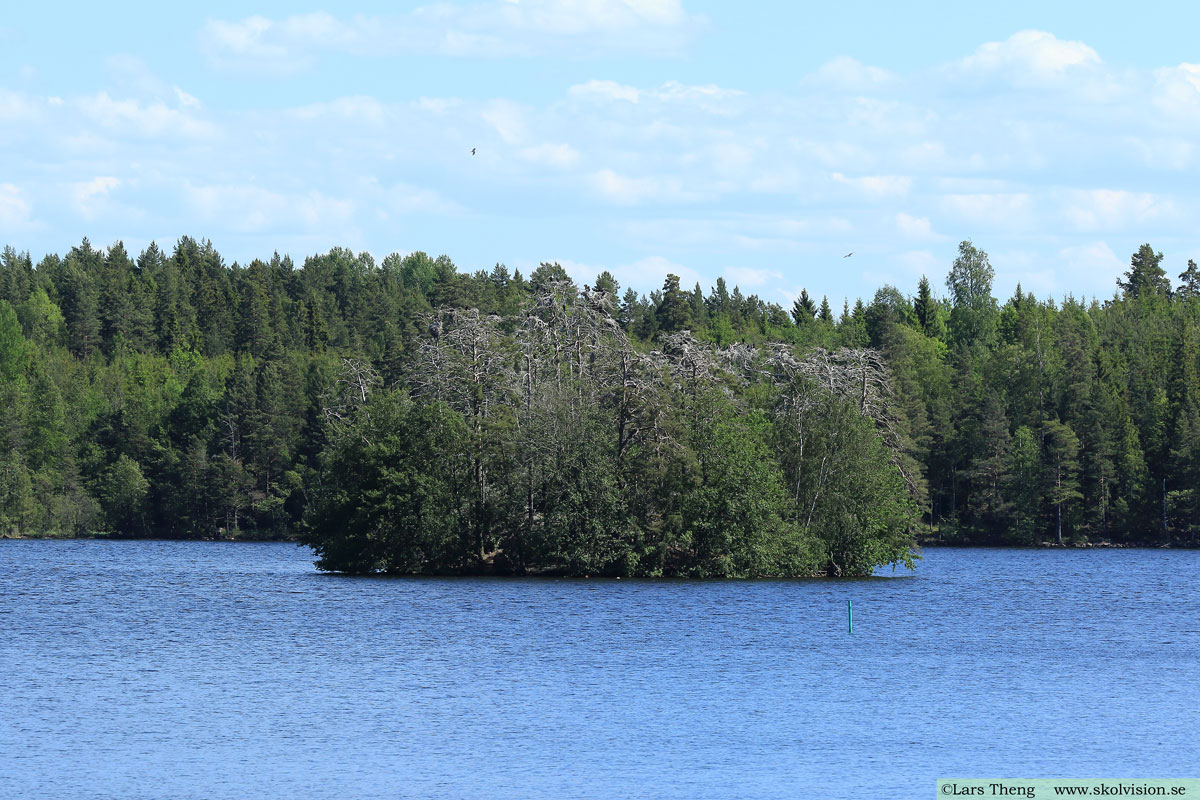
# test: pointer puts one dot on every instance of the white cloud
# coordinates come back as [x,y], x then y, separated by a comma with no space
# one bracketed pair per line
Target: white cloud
[507,119]
[1010,210]
[710,98]
[927,154]
[15,211]
[1033,272]
[757,233]
[486,29]
[780,183]
[1170,153]
[186,100]
[877,185]
[576,17]
[914,227]
[552,155]
[253,209]
[813,226]
[848,74]
[644,275]
[605,90]
[1031,56]
[1109,209]
[833,152]
[133,118]
[652,272]
[356,108]
[404,198]
[438,105]
[259,41]
[1177,91]
[1082,264]
[749,276]
[15,106]
[582,274]
[922,262]
[88,196]
[632,191]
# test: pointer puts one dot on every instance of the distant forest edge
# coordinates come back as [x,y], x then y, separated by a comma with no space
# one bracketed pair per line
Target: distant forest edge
[405,417]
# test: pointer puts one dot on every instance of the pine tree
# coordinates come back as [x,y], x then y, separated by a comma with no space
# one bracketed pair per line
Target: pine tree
[928,311]
[673,311]
[1189,282]
[825,315]
[79,298]
[803,308]
[14,349]
[1145,277]
[988,469]
[1023,485]
[1183,391]
[1062,470]
[605,282]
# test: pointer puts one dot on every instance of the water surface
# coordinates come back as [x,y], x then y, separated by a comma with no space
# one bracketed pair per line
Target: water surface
[235,670]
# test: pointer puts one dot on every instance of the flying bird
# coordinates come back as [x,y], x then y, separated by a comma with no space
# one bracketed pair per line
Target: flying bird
[848,254]
[472,151]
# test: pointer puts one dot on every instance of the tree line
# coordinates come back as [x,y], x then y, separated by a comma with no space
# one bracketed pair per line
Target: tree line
[406,416]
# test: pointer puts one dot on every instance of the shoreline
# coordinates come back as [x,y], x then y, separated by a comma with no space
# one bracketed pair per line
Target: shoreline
[919,544]
[113,537]
[1100,545]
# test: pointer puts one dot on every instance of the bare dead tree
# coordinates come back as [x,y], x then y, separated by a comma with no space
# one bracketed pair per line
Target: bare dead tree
[691,361]
[857,375]
[348,394]
[465,362]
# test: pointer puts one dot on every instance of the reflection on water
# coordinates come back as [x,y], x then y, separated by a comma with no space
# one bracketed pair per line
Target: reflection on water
[212,670]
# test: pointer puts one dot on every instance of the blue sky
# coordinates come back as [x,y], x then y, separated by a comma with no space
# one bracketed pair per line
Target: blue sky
[641,136]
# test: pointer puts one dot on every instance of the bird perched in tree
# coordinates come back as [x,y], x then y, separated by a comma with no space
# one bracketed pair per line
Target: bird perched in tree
[848,254]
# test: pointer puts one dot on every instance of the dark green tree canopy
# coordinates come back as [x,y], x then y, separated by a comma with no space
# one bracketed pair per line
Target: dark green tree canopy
[674,308]
[587,433]
[1145,277]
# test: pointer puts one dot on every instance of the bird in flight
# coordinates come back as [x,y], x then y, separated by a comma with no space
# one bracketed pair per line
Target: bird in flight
[472,151]
[848,254]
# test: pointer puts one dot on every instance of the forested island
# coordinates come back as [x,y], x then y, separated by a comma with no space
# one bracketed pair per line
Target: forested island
[405,417]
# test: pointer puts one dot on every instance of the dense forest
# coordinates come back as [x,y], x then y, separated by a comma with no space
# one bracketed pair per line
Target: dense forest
[406,417]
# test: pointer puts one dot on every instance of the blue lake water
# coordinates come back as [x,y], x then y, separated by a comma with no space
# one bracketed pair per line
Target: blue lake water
[212,670]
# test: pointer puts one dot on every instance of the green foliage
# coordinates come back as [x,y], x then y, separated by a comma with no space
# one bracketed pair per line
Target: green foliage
[803,309]
[972,317]
[1023,486]
[673,311]
[42,320]
[13,347]
[1189,282]
[591,458]
[928,311]
[578,443]
[736,516]
[1146,277]
[548,274]
[847,492]
[123,493]
[384,505]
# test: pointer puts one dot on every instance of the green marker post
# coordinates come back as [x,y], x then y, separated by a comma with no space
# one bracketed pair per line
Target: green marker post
[850,614]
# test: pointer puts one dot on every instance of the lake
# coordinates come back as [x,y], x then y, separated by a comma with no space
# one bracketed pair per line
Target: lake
[235,670]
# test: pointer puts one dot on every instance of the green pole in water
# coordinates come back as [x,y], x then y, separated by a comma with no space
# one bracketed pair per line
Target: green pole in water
[850,614]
